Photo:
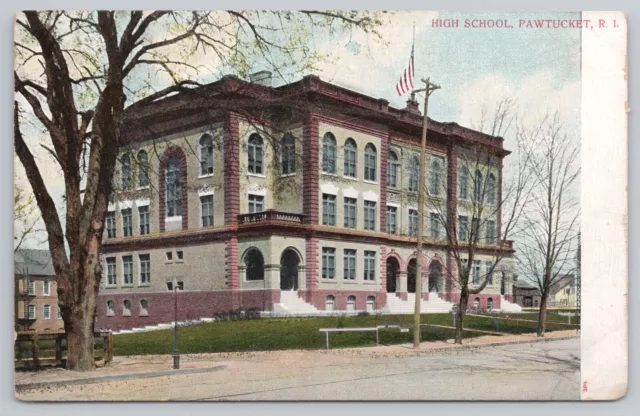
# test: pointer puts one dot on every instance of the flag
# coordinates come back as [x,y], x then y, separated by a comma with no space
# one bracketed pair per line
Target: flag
[406,80]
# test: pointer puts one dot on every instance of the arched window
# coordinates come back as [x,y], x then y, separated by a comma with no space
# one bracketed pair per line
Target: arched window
[144,307]
[477,187]
[329,153]
[206,154]
[110,308]
[392,170]
[414,173]
[143,169]
[489,304]
[256,154]
[435,175]
[254,263]
[464,183]
[476,303]
[173,185]
[350,149]
[125,161]
[126,308]
[330,303]
[370,162]
[288,154]
[371,303]
[351,303]
[491,189]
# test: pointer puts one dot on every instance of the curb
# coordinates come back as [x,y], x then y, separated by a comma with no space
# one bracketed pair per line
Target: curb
[452,348]
[115,377]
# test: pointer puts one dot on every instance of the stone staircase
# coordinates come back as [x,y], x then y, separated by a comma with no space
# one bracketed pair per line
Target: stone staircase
[395,305]
[291,304]
[506,306]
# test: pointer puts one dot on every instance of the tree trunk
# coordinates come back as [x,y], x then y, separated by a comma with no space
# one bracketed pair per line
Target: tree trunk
[542,314]
[462,308]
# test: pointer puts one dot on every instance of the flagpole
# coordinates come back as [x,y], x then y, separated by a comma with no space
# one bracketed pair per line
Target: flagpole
[430,88]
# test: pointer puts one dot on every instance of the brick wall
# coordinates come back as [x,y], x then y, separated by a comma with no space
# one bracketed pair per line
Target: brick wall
[310,172]
[231,169]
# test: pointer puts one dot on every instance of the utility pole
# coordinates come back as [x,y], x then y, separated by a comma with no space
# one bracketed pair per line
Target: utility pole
[430,87]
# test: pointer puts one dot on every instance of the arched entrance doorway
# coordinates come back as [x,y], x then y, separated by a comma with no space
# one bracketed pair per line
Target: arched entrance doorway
[411,276]
[435,277]
[289,263]
[393,267]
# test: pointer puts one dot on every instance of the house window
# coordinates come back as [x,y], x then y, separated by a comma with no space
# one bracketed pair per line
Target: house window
[328,209]
[111,310]
[413,222]
[414,173]
[371,303]
[476,272]
[330,303]
[434,225]
[59,312]
[392,170]
[31,286]
[463,230]
[392,214]
[179,255]
[32,311]
[351,303]
[288,154]
[489,304]
[143,216]
[111,224]
[328,263]
[206,208]
[464,183]
[369,265]
[256,203]
[254,262]
[349,264]
[476,303]
[169,255]
[491,231]
[127,270]
[535,303]
[143,169]
[126,308]
[256,154]
[350,158]
[477,187]
[370,162]
[206,154]
[145,269]
[127,223]
[435,175]
[125,161]
[111,271]
[329,153]
[144,307]
[173,187]
[45,287]
[491,189]
[350,212]
[488,265]
[46,312]
[369,215]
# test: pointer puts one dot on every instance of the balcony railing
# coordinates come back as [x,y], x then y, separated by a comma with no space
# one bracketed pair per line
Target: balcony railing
[270,215]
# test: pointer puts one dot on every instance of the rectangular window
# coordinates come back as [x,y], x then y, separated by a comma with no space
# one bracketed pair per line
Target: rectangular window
[59,312]
[32,312]
[127,224]
[145,268]
[328,209]
[111,224]
[464,183]
[328,263]
[463,230]
[46,312]
[350,161]
[369,215]
[491,232]
[143,216]
[45,287]
[413,222]
[350,212]
[349,264]
[476,272]
[256,203]
[475,230]
[206,207]
[369,265]
[127,270]
[392,215]
[111,271]
[31,286]
[434,225]
[487,269]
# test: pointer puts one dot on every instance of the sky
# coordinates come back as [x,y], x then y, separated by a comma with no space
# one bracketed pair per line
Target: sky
[475,67]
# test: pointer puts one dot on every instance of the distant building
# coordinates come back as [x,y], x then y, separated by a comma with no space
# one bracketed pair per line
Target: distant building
[526,295]
[36,296]
[562,293]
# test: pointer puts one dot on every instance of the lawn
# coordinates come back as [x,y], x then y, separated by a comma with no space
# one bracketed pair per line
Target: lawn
[302,333]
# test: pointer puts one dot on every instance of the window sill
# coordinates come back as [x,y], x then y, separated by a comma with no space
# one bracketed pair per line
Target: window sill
[127,285]
[251,281]
[350,282]
[288,175]
[370,282]
[330,174]
[111,286]
[144,285]
[257,175]
[177,218]
[110,314]
[332,281]
[370,182]
[143,188]
[203,176]
[350,178]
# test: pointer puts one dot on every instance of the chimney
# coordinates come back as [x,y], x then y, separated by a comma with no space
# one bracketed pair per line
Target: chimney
[261,78]
[412,105]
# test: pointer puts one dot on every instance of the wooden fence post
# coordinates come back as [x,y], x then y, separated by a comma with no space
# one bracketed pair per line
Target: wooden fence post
[59,350]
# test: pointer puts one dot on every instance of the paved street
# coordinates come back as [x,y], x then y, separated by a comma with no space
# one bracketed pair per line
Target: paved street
[531,371]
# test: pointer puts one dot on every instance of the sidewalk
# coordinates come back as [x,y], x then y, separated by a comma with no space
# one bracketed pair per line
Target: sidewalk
[126,367]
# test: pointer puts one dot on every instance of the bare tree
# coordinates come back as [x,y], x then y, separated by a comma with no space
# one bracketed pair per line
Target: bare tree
[25,217]
[72,72]
[551,221]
